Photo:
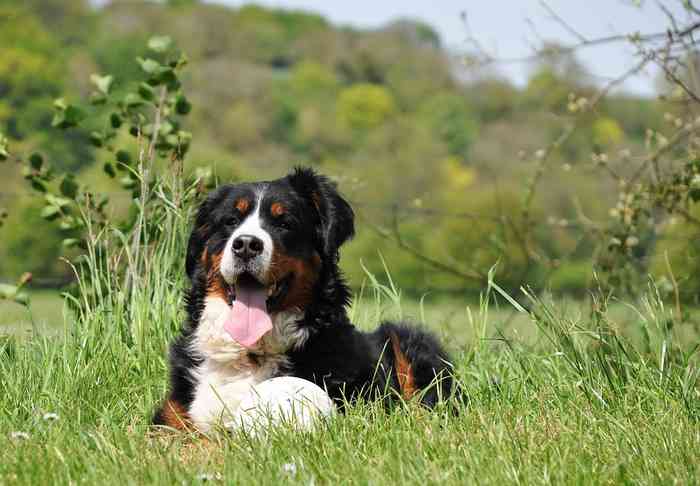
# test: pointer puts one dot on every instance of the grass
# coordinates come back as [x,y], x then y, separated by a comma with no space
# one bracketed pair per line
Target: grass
[568,408]
[600,393]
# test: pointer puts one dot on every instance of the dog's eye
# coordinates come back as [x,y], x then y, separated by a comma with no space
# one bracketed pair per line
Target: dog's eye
[232,220]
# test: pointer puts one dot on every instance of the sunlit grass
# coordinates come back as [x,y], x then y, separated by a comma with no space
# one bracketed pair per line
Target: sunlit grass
[570,408]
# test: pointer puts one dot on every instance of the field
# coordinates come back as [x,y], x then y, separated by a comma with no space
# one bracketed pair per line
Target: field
[557,397]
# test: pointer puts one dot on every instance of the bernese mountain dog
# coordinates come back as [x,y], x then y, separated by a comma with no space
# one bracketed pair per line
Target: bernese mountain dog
[268,299]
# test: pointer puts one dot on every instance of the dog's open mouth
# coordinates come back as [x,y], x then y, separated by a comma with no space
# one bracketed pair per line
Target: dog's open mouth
[251,305]
[275,292]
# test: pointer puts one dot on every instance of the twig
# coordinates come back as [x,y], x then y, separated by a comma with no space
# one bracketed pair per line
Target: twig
[654,158]
[436,264]
[678,81]
[562,22]
[611,39]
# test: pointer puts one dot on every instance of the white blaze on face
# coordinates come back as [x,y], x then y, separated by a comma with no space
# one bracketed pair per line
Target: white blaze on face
[251,225]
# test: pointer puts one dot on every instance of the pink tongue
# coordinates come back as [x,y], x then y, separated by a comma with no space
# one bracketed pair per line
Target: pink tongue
[249,320]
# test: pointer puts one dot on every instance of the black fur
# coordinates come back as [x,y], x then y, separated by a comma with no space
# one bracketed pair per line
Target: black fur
[346,362]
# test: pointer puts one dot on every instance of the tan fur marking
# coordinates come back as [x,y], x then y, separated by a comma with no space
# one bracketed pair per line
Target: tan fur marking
[216,285]
[305,273]
[243,205]
[277,209]
[404,370]
[175,416]
[316,198]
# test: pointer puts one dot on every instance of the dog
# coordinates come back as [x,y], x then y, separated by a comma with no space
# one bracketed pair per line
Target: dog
[268,299]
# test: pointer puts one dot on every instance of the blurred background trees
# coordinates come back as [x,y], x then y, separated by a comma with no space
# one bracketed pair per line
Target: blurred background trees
[436,167]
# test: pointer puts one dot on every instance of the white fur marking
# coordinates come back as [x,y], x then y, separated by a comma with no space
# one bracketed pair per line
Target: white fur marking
[227,373]
[252,225]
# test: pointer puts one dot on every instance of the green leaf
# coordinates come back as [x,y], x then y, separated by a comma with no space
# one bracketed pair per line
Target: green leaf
[123,157]
[97,139]
[59,119]
[22,298]
[74,115]
[38,184]
[694,195]
[71,242]
[109,170]
[132,100]
[169,78]
[181,61]
[159,43]
[8,291]
[115,120]
[58,201]
[146,92]
[67,223]
[36,161]
[97,99]
[69,117]
[4,148]
[102,83]
[127,182]
[149,66]
[182,105]
[60,104]
[68,187]
[165,128]
[50,212]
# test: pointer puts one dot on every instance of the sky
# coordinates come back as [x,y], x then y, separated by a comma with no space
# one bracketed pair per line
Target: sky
[505,27]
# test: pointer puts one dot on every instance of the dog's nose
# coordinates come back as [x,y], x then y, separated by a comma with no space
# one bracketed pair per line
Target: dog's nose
[247,247]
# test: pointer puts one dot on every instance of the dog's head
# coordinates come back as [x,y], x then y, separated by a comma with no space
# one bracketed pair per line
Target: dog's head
[262,246]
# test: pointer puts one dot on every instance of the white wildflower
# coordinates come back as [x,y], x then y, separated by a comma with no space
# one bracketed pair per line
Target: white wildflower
[19,435]
[50,417]
[631,241]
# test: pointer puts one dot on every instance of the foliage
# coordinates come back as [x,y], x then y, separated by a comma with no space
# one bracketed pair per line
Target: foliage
[452,121]
[364,106]
[386,112]
[607,133]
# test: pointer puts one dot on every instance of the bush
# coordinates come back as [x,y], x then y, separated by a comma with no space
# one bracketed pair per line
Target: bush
[452,121]
[364,106]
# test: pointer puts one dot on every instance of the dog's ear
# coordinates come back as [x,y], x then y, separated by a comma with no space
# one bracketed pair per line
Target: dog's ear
[337,220]
[202,229]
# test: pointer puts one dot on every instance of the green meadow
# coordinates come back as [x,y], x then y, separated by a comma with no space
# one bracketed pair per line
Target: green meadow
[564,394]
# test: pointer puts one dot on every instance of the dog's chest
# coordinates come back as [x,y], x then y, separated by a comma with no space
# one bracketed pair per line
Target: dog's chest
[228,372]
[218,393]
